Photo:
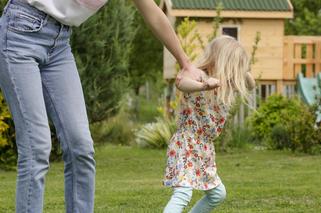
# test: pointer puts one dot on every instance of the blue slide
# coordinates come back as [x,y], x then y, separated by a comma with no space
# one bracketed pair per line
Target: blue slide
[309,89]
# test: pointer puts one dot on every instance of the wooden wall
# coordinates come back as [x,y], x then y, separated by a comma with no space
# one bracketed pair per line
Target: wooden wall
[269,55]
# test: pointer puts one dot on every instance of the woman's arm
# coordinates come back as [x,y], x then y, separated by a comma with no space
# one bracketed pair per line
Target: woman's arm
[250,82]
[163,30]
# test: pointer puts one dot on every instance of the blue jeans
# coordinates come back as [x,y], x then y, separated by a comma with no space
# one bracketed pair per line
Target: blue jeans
[38,77]
[183,195]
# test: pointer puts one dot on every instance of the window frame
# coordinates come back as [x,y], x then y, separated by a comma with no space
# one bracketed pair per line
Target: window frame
[238,27]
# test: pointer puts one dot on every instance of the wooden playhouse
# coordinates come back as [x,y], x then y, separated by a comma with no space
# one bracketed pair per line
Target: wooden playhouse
[279,58]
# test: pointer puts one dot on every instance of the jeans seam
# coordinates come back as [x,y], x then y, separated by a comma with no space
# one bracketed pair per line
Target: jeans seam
[51,99]
[12,81]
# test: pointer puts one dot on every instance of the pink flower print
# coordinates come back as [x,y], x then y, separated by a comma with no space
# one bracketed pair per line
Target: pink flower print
[198,172]
[199,131]
[187,111]
[190,164]
[188,153]
[172,153]
[205,147]
[206,186]
[216,108]
[179,144]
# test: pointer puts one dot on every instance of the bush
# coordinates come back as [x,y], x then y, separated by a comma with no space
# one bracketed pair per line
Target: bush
[283,123]
[102,47]
[275,110]
[156,134]
[8,154]
[117,129]
[280,137]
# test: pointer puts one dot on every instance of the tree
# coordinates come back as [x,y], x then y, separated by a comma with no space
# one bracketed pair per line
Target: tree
[147,56]
[102,47]
[307,18]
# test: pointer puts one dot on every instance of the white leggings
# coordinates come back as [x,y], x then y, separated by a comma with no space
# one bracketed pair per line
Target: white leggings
[183,195]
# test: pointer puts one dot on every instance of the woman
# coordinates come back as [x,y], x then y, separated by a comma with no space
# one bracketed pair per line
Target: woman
[38,76]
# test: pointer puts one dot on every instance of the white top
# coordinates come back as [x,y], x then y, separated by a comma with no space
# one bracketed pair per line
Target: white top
[69,12]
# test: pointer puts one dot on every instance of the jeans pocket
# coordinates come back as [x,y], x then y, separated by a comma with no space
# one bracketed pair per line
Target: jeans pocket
[24,22]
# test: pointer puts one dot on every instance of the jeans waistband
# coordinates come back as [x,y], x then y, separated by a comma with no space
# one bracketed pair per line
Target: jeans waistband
[26,6]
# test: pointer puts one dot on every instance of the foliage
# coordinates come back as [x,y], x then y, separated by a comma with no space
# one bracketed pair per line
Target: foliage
[146,59]
[307,16]
[116,129]
[2,5]
[255,47]
[271,113]
[217,21]
[284,123]
[156,134]
[7,136]
[189,37]
[102,47]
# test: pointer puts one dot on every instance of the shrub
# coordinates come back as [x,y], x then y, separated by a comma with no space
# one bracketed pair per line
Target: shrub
[284,123]
[102,47]
[156,134]
[117,129]
[275,110]
[280,137]
[7,146]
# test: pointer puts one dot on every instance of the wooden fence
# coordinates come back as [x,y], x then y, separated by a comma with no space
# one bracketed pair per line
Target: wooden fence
[301,54]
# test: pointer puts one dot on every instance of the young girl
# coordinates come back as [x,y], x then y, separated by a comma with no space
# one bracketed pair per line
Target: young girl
[204,108]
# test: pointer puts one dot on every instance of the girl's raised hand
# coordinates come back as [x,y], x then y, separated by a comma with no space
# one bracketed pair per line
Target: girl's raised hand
[212,83]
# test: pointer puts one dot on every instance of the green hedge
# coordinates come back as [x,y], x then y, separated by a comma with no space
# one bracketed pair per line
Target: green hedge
[283,123]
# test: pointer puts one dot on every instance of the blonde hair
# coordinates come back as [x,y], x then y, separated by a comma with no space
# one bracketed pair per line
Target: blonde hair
[225,59]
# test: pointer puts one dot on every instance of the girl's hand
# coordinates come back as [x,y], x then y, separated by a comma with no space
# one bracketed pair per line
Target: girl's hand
[212,83]
[250,81]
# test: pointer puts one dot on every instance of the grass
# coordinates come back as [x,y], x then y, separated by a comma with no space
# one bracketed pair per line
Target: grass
[129,180]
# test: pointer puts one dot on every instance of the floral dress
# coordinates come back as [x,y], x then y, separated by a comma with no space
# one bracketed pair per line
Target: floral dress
[191,154]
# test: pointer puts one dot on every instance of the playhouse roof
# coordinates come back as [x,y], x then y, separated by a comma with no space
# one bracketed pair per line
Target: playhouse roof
[248,5]
[267,9]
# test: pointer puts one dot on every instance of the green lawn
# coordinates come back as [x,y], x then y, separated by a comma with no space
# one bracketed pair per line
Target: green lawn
[129,180]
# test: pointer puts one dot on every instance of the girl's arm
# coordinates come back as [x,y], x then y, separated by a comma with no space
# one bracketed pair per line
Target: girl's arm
[162,29]
[186,83]
[250,82]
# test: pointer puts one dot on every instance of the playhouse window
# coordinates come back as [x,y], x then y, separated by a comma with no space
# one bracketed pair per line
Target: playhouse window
[289,90]
[231,31]
[266,89]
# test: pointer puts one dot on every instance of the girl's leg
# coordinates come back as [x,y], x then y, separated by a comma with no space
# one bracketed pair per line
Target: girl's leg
[179,200]
[211,199]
